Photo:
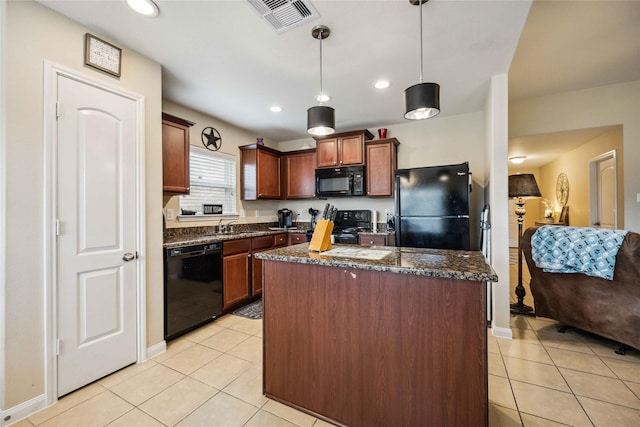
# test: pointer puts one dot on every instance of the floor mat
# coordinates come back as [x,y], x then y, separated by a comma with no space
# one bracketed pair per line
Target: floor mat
[251,311]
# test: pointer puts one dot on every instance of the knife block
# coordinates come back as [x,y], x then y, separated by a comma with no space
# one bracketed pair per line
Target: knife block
[321,239]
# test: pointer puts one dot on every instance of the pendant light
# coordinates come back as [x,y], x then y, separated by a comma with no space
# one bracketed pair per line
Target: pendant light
[421,101]
[321,118]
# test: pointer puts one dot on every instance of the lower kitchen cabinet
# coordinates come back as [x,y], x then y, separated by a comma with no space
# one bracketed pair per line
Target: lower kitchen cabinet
[371,240]
[258,244]
[280,240]
[236,257]
[295,238]
[242,272]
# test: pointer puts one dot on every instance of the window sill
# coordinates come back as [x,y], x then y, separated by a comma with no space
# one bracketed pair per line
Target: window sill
[208,217]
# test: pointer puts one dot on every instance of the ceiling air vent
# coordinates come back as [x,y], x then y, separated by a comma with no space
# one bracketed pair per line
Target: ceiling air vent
[284,15]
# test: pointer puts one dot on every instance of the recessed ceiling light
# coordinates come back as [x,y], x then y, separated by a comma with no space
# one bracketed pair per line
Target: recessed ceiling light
[517,159]
[275,109]
[323,97]
[382,84]
[144,7]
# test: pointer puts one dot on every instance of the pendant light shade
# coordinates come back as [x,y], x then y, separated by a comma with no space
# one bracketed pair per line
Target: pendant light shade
[422,100]
[321,119]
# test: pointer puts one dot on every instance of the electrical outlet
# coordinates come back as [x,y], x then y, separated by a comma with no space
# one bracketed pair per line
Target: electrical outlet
[170,215]
[299,213]
[387,212]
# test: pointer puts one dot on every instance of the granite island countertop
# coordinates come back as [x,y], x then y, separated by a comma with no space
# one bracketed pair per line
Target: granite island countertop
[449,264]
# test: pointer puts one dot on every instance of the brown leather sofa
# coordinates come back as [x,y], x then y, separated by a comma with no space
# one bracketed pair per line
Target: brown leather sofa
[609,308]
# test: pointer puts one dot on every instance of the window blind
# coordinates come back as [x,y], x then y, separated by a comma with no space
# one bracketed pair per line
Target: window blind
[213,181]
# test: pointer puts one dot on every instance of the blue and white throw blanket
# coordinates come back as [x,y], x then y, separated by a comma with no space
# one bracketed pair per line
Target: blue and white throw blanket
[592,251]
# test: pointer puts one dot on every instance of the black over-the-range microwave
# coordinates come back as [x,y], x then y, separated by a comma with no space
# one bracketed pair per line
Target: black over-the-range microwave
[340,182]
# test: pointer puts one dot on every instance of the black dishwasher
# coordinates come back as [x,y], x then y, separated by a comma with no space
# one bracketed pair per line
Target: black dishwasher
[192,287]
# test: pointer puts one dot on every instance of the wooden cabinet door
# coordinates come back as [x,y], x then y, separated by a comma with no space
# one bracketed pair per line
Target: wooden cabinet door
[175,154]
[295,238]
[381,163]
[327,152]
[280,240]
[300,178]
[372,240]
[268,175]
[258,244]
[351,150]
[235,271]
[236,278]
[256,276]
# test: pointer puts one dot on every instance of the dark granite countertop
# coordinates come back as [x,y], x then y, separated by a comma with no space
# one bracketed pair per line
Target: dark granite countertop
[465,265]
[202,235]
[179,241]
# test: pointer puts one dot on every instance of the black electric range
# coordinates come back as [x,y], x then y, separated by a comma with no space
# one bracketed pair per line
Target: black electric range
[349,223]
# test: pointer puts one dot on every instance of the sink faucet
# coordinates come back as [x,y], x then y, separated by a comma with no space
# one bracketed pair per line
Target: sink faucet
[228,227]
[223,228]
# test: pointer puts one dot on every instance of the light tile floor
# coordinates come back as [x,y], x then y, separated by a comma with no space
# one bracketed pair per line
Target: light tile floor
[213,377]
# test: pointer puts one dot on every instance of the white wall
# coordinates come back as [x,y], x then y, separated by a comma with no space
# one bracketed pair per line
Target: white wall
[601,106]
[497,189]
[34,34]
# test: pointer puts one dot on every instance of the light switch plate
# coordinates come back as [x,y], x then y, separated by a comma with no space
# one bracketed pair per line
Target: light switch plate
[638,197]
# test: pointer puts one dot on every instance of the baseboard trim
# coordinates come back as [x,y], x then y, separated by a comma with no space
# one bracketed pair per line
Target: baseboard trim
[156,349]
[23,410]
[501,332]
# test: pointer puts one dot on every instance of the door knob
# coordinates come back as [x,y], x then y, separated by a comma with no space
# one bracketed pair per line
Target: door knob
[128,256]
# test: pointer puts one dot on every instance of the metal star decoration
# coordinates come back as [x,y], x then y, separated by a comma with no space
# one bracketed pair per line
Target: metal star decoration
[212,140]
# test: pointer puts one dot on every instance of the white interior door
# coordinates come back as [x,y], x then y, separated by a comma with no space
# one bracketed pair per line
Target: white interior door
[96,211]
[603,192]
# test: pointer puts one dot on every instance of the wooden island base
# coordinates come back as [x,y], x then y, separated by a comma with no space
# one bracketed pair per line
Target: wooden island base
[370,348]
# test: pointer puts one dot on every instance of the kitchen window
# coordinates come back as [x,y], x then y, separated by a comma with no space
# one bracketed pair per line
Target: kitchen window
[213,181]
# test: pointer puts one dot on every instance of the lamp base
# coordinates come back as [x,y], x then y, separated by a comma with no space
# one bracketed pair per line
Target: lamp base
[520,308]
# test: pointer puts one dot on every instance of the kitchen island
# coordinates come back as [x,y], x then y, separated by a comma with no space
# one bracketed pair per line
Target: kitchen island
[378,336]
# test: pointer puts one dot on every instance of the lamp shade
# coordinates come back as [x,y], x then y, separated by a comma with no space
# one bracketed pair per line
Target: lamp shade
[321,120]
[523,185]
[422,101]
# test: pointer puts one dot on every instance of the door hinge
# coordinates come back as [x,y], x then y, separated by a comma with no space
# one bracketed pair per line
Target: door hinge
[57,227]
[58,110]
[58,347]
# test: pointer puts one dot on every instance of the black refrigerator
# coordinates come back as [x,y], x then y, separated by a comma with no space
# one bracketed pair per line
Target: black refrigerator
[432,207]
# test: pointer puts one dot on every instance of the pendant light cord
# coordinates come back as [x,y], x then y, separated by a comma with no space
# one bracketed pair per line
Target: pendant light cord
[320,37]
[421,61]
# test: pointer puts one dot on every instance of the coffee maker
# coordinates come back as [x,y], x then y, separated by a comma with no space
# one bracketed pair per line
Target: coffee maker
[285,218]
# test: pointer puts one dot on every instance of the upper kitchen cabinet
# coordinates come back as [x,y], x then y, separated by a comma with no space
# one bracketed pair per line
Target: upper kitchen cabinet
[259,172]
[299,174]
[342,149]
[175,154]
[382,160]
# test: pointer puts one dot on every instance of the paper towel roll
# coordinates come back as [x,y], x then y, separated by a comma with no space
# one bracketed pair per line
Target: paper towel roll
[374,220]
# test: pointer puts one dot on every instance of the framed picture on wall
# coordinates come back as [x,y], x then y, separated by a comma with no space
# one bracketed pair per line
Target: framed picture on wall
[102,55]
